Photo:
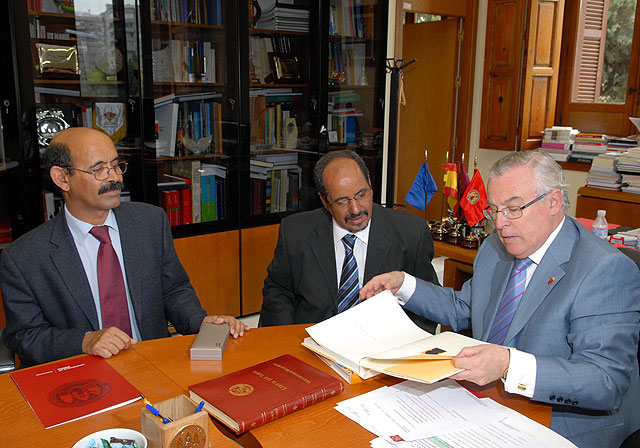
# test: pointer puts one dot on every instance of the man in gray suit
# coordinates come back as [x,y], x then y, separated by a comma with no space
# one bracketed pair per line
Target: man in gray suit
[559,306]
[303,279]
[51,279]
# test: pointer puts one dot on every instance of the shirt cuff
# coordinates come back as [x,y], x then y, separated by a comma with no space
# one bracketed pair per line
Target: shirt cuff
[407,289]
[521,377]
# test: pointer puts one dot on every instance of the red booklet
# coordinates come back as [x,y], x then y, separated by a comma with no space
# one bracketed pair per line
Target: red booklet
[71,389]
[259,394]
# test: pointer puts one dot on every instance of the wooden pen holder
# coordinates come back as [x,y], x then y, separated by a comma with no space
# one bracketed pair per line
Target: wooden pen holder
[187,428]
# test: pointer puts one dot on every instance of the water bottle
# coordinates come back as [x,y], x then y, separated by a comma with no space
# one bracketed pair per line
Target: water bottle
[600,227]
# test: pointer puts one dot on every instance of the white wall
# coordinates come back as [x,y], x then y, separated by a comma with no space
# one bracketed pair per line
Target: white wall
[486,157]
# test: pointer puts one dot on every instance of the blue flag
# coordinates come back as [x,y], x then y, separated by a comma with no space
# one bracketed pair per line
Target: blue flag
[422,189]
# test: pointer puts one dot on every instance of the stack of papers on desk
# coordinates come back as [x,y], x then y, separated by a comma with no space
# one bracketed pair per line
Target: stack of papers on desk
[377,336]
[414,415]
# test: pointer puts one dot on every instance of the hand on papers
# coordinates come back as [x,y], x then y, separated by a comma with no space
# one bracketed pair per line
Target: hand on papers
[107,342]
[391,281]
[236,327]
[483,363]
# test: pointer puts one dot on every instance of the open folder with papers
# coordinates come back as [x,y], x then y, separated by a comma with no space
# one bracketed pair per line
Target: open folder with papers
[377,337]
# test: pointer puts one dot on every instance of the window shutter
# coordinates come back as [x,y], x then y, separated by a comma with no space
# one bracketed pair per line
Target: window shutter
[591,39]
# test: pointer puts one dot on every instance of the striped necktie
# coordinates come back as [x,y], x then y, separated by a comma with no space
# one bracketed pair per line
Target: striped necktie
[510,301]
[348,293]
[113,296]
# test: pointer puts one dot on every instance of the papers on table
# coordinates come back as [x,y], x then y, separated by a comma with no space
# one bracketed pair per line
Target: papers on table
[378,336]
[415,415]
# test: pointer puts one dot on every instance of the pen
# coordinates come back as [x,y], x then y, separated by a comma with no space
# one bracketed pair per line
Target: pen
[154,411]
[199,408]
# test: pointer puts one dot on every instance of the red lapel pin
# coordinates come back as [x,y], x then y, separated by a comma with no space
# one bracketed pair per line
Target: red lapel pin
[551,280]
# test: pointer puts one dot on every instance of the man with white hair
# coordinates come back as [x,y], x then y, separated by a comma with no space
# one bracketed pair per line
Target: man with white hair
[559,307]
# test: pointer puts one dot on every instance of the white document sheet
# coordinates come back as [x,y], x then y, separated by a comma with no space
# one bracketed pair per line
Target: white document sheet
[413,411]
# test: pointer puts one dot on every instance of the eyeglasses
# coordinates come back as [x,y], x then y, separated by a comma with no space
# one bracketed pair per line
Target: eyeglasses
[510,212]
[359,197]
[103,172]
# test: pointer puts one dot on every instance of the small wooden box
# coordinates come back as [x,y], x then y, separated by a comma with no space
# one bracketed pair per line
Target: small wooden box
[186,429]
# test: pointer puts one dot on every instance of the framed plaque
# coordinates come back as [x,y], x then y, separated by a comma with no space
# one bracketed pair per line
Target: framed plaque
[285,68]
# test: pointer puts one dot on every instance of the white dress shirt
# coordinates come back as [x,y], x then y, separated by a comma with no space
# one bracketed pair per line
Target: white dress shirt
[521,378]
[359,249]
[88,246]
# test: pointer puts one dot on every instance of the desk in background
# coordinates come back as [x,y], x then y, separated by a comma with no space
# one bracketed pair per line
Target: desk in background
[161,369]
[458,267]
[622,208]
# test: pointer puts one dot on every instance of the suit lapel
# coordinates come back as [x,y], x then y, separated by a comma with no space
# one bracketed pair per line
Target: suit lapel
[65,258]
[322,248]
[546,276]
[129,240]
[378,245]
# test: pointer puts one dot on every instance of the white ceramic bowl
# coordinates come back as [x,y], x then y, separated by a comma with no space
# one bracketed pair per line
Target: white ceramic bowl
[121,433]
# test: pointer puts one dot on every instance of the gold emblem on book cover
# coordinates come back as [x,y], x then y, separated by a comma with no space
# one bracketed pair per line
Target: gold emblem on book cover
[191,436]
[241,390]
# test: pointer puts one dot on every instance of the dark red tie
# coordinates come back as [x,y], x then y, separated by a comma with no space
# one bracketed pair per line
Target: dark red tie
[113,296]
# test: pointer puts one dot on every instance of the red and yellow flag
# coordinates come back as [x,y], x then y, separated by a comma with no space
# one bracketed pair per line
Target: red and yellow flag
[451,185]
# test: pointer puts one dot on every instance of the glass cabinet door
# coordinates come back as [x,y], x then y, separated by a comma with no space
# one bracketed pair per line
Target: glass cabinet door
[82,62]
[283,61]
[355,112]
[195,155]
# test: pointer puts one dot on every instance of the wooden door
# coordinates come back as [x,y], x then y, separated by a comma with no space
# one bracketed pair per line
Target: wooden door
[426,121]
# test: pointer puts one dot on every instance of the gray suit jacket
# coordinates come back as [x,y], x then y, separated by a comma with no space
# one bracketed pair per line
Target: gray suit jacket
[46,295]
[579,316]
[302,282]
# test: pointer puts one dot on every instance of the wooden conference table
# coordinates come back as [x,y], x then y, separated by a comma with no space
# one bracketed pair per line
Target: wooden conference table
[161,369]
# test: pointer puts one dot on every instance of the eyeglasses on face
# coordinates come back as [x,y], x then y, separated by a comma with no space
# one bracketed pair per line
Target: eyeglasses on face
[491,213]
[103,172]
[359,197]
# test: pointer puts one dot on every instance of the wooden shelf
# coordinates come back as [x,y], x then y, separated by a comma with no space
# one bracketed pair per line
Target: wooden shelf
[189,84]
[458,253]
[609,194]
[187,25]
[279,32]
[575,166]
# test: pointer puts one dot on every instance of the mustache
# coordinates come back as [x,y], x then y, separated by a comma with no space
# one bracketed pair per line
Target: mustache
[362,212]
[113,185]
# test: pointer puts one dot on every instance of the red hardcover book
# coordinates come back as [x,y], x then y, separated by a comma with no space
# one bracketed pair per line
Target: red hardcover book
[71,389]
[251,397]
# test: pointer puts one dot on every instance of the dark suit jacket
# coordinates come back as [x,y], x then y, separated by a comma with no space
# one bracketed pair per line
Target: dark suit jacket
[302,282]
[47,299]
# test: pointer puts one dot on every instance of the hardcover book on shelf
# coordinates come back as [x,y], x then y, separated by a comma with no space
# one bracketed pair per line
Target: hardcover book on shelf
[378,337]
[259,394]
[68,390]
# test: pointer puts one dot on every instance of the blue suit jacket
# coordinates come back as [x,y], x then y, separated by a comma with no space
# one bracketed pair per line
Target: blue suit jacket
[579,316]
[48,301]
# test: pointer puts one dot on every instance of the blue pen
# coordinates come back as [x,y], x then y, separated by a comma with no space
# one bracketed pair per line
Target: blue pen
[199,408]
[154,411]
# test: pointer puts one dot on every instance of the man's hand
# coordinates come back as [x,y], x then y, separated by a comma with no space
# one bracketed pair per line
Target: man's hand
[390,280]
[483,363]
[236,328]
[107,342]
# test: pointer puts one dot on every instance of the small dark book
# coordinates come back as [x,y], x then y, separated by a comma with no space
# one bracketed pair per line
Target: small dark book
[251,397]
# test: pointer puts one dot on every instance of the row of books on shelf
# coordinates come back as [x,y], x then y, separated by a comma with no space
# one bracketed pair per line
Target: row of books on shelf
[188,124]
[38,31]
[183,61]
[50,6]
[201,12]
[276,182]
[273,119]
[349,58]
[342,127]
[196,192]
[284,16]
[351,18]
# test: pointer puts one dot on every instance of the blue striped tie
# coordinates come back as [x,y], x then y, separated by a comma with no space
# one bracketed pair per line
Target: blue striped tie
[510,301]
[348,293]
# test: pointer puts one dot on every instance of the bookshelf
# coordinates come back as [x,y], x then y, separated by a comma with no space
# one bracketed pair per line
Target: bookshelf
[222,110]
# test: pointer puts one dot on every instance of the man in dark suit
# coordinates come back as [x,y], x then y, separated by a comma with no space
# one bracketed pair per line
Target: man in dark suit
[53,286]
[303,282]
[558,306]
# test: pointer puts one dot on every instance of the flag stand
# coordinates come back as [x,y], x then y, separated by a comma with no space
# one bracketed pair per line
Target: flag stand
[395,67]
